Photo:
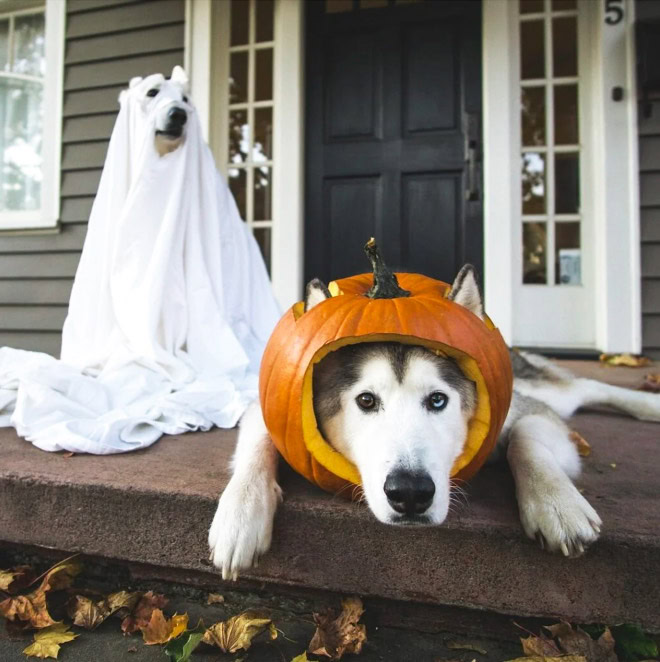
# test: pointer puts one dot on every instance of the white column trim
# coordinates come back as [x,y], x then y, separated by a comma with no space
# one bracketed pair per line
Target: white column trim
[197,57]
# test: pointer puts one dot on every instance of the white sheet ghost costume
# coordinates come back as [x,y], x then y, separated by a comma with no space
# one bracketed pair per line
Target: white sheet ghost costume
[171,305]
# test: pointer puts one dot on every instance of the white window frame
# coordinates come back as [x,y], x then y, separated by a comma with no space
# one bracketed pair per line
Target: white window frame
[55,23]
[207,63]
[614,173]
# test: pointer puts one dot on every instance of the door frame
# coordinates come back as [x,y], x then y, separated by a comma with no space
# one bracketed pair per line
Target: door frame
[617,247]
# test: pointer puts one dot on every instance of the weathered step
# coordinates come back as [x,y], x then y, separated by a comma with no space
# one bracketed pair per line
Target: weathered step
[154,507]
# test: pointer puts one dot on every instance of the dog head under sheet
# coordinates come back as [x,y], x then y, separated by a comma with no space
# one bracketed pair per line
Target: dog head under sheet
[164,105]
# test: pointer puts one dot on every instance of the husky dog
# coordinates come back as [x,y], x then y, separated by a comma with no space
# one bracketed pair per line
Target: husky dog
[363,392]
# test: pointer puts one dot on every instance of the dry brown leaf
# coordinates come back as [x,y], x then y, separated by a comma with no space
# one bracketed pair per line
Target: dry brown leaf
[237,632]
[651,383]
[47,641]
[343,634]
[625,359]
[578,642]
[465,646]
[29,608]
[60,576]
[89,614]
[141,615]
[160,630]
[582,445]
[215,599]
[541,658]
[534,645]
[16,579]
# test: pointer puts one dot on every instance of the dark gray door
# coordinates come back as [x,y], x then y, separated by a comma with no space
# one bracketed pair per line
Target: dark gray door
[393,126]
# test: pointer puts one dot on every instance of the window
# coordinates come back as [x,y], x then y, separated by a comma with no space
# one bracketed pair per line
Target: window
[550,97]
[250,157]
[29,136]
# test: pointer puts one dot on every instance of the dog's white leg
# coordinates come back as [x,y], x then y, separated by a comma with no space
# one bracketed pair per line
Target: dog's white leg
[243,524]
[543,460]
[639,404]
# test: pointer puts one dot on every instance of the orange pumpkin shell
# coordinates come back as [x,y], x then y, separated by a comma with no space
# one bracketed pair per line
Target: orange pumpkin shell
[428,318]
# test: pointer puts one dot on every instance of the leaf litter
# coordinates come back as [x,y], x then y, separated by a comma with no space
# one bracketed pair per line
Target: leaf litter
[336,635]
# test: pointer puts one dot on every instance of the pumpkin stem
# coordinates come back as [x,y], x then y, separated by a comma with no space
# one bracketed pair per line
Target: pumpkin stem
[385,286]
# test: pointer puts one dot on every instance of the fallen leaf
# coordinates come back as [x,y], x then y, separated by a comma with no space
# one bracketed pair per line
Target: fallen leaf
[215,599]
[343,634]
[47,641]
[132,649]
[29,608]
[632,643]
[578,642]
[613,465]
[60,576]
[541,658]
[465,646]
[301,658]
[16,579]
[272,630]
[68,454]
[534,645]
[160,630]
[625,359]
[237,632]
[89,614]
[181,649]
[141,615]
[651,383]
[582,445]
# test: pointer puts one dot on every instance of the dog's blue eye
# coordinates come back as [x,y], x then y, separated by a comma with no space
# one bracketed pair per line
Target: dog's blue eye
[436,401]
[366,401]
[152,92]
[185,99]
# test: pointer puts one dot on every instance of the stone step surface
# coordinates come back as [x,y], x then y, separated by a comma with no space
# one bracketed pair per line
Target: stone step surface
[154,507]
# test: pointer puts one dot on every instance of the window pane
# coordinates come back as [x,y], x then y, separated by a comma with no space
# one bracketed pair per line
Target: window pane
[262,235]
[533,183]
[532,61]
[238,79]
[240,21]
[564,46]
[238,185]
[20,144]
[263,135]
[567,254]
[239,136]
[562,5]
[531,6]
[265,20]
[337,6]
[534,253]
[567,183]
[533,116]
[4,45]
[29,44]
[262,194]
[566,115]
[264,75]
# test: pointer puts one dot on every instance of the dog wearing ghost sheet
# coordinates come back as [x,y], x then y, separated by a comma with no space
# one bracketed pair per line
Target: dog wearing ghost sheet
[400,413]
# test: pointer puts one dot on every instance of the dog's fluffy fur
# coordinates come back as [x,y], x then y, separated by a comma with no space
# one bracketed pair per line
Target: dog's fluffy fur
[400,414]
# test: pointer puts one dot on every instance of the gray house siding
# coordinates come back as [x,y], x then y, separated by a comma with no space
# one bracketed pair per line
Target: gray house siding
[107,43]
[649,185]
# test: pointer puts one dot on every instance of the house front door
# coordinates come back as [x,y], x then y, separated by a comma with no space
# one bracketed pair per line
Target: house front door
[393,135]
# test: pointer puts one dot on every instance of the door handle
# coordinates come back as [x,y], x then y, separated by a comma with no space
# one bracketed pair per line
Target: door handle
[471,137]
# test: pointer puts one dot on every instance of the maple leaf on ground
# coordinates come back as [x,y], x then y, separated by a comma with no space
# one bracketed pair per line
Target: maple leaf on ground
[343,634]
[160,630]
[141,615]
[215,599]
[578,642]
[301,658]
[540,646]
[582,445]
[625,359]
[16,579]
[541,658]
[47,641]
[237,632]
[181,648]
[89,613]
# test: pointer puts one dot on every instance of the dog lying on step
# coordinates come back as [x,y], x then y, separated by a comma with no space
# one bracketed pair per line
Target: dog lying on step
[363,393]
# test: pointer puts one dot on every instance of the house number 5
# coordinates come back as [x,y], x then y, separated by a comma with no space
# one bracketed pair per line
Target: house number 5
[613,11]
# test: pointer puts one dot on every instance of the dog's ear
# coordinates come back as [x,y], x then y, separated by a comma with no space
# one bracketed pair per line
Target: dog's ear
[135,81]
[465,290]
[315,292]
[180,76]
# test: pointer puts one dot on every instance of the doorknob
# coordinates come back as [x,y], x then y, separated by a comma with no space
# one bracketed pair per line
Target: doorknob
[471,137]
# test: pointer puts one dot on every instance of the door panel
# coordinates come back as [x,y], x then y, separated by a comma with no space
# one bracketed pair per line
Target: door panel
[389,95]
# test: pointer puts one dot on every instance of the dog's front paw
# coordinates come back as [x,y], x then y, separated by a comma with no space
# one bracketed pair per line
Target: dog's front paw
[559,517]
[243,525]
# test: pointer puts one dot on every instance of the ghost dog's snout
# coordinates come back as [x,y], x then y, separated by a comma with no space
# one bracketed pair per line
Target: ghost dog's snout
[409,493]
[177,115]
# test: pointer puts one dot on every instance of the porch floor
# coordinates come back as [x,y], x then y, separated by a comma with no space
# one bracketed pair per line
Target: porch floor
[153,507]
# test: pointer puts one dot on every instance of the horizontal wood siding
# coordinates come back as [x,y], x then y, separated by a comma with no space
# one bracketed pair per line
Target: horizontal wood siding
[107,43]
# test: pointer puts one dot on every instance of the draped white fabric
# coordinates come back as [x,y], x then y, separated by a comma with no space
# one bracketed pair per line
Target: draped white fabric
[171,305]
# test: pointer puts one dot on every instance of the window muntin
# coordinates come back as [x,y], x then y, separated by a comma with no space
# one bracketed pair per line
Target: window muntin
[550,140]
[251,107]
[22,78]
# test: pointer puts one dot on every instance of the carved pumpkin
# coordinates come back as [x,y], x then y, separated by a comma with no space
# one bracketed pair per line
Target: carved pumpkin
[419,314]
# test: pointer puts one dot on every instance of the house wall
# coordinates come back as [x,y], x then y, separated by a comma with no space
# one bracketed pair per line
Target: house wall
[107,43]
[649,182]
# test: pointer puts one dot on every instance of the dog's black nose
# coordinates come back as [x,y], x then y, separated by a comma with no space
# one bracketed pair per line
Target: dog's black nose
[409,493]
[177,115]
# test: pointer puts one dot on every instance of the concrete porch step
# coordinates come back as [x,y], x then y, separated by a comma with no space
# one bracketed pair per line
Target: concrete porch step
[154,507]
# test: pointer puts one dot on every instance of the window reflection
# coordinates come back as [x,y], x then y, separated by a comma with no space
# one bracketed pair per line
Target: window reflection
[239,136]
[534,253]
[533,115]
[568,257]
[533,183]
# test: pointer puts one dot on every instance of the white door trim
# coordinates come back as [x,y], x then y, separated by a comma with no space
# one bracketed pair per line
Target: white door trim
[615,223]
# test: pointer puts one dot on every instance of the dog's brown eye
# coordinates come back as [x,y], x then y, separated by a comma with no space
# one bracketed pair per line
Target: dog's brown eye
[152,92]
[366,401]
[437,401]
